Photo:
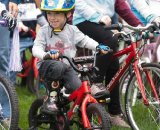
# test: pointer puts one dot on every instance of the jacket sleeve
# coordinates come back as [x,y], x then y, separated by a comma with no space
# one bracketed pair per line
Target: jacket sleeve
[39,46]
[143,8]
[15,1]
[123,9]
[86,11]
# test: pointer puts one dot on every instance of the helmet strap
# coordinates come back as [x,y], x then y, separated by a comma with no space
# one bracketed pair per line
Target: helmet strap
[58,30]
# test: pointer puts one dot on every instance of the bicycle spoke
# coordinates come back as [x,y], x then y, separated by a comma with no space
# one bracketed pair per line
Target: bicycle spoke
[134,101]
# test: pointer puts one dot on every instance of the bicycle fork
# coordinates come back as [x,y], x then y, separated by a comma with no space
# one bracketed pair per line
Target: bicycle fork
[88,99]
[141,85]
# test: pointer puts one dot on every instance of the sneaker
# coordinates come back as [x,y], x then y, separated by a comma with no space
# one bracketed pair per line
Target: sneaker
[117,120]
[98,88]
[5,122]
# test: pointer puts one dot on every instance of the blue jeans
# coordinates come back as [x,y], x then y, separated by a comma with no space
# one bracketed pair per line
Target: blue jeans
[4,66]
[4,50]
[4,101]
[24,43]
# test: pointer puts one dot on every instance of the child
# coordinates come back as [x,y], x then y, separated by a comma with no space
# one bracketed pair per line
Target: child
[59,37]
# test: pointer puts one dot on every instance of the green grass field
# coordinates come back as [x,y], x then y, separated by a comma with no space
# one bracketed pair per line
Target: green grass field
[25,100]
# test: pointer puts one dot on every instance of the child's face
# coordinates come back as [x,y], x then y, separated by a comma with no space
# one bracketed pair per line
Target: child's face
[56,19]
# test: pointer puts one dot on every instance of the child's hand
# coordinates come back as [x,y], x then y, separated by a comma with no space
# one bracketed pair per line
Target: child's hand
[103,49]
[54,54]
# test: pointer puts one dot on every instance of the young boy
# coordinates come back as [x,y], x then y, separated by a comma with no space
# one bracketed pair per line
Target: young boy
[59,37]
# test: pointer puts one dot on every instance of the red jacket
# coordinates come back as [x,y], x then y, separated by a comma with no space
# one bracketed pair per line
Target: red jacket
[124,11]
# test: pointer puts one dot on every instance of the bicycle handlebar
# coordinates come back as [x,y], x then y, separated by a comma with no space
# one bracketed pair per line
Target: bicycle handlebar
[138,28]
[77,60]
[83,59]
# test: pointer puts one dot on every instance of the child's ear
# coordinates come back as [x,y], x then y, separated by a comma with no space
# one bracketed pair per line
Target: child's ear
[69,14]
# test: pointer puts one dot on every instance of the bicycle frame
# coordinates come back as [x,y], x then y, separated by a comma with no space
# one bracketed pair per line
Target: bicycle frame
[81,97]
[132,55]
[31,64]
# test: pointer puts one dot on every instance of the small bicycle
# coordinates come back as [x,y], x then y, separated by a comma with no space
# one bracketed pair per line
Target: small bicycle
[9,110]
[78,110]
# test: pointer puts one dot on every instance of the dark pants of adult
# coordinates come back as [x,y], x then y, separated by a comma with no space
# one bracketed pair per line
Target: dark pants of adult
[107,67]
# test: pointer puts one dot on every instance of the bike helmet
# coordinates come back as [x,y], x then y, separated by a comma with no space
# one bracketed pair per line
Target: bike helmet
[57,5]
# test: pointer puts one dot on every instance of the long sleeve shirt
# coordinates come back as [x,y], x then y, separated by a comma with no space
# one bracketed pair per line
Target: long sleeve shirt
[94,10]
[64,41]
[144,9]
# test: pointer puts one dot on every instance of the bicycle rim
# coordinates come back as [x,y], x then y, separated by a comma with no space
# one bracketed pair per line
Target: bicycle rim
[9,113]
[140,116]
[122,91]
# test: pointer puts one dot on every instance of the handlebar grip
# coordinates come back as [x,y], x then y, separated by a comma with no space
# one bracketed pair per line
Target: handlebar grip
[47,57]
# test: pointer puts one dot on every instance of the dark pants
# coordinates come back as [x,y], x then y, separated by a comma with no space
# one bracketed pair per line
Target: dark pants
[53,70]
[107,67]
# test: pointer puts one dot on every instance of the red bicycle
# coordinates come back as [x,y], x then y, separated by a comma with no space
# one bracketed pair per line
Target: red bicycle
[29,74]
[141,97]
[83,113]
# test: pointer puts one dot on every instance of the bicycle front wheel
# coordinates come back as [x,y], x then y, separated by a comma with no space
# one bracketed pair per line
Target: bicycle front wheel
[98,117]
[9,113]
[139,115]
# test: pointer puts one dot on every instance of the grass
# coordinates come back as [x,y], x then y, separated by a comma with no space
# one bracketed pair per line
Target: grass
[25,100]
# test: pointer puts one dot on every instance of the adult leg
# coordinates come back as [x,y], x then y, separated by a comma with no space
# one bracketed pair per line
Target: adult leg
[98,33]
[4,53]
[4,66]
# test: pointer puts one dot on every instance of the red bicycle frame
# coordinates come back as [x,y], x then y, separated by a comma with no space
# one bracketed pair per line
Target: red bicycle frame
[81,97]
[132,55]
[31,64]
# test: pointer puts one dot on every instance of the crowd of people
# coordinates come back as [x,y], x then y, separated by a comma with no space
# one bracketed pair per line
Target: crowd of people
[56,36]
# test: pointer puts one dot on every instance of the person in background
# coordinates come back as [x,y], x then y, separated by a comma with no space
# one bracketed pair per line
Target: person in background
[11,6]
[142,9]
[30,18]
[90,17]
[4,40]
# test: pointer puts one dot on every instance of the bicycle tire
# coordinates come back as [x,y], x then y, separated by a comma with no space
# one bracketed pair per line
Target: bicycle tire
[35,86]
[7,87]
[140,116]
[38,120]
[30,81]
[122,90]
[33,112]
[97,109]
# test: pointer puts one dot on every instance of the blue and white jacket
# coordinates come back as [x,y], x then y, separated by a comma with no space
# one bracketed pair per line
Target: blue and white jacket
[142,10]
[93,10]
